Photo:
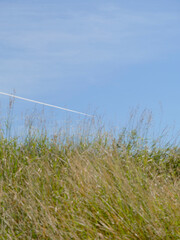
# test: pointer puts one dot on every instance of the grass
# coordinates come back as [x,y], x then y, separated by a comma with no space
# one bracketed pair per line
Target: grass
[88,185]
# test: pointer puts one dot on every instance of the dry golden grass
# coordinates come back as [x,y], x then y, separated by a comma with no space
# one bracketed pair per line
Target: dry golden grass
[97,187]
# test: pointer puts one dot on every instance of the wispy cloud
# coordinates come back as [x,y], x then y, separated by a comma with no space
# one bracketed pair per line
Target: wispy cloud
[43,41]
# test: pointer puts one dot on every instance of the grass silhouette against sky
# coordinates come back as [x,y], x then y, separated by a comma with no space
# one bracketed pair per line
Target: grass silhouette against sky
[89,182]
[111,56]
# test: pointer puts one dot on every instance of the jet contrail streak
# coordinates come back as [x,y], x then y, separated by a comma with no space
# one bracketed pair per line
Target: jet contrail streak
[45,104]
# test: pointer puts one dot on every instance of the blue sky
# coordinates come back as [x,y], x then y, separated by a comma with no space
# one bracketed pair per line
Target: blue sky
[109,56]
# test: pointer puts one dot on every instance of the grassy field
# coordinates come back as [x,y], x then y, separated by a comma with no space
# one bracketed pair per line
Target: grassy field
[98,185]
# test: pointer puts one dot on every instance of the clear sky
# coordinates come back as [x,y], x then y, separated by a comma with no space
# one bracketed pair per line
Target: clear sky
[109,56]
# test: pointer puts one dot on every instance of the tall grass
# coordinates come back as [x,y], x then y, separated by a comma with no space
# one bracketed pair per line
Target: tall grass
[88,184]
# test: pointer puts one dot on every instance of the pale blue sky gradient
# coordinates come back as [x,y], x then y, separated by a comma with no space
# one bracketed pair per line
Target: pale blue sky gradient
[106,55]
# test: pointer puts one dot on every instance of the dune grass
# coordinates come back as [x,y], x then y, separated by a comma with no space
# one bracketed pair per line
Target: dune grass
[88,186]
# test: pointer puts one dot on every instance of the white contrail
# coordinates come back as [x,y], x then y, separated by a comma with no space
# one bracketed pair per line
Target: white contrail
[45,104]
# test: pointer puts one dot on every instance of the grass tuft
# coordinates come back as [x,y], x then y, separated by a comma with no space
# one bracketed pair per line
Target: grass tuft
[88,186]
